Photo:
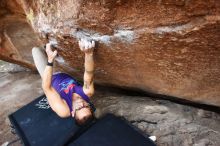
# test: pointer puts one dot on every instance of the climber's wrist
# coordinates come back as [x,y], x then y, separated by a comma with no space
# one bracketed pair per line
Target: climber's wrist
[90,53]
[50,60]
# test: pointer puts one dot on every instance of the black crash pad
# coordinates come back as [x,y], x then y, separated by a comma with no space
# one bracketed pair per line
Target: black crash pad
[38,125]
[112,131]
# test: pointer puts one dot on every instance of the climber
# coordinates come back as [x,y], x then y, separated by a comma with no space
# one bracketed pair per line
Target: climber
[65,95]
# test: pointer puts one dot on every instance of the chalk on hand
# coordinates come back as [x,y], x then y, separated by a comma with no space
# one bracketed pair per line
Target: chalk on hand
[93,44]
[86,44]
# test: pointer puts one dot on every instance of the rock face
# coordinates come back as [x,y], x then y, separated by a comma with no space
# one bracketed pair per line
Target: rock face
[16,35]
[163,46]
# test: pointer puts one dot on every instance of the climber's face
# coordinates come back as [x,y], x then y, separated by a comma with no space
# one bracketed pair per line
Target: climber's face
[81,111]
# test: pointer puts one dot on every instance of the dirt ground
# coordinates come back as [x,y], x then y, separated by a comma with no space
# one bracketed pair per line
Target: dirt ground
[17,88]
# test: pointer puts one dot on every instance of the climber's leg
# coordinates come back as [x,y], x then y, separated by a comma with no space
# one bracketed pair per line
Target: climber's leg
[40,59]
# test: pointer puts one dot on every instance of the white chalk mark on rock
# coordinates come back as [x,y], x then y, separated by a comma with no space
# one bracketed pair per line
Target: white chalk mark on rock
[53,41]
[181,29]
[60,59]
[126,36]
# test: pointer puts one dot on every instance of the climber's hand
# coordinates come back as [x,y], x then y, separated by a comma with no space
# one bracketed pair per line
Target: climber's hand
[50,54]
[86,46]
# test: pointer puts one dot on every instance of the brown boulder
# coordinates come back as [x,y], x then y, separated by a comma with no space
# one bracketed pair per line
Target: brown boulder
[163,46]
[16,35]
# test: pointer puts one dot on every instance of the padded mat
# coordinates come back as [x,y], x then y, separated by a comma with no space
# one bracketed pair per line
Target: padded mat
[38,125]
[112,131]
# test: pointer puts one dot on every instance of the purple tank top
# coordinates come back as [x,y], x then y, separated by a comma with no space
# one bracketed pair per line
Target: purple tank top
[66,85]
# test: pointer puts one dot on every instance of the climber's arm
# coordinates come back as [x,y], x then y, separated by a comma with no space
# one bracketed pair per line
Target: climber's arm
[87,48]
[53,98]
[47,75]
[88,86]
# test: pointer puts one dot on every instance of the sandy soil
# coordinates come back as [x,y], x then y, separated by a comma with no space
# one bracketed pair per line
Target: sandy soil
[17,88]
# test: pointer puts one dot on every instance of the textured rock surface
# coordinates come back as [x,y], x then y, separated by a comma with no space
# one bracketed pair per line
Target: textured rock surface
[162,46]
[171,123]
[17,88]
[16,35]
